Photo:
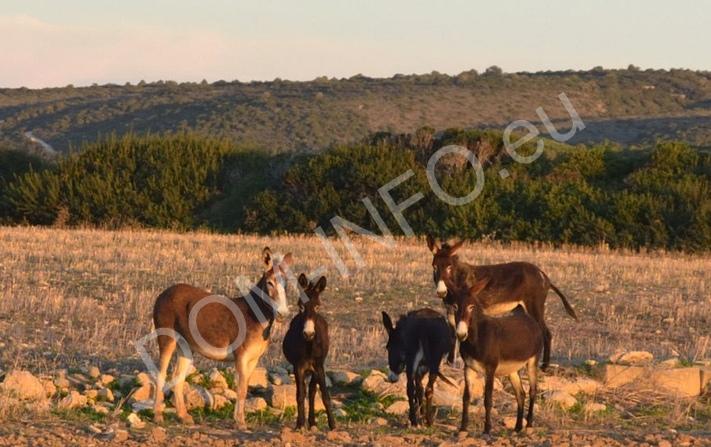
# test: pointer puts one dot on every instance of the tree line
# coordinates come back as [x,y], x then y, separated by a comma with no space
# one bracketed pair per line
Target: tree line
[656,197]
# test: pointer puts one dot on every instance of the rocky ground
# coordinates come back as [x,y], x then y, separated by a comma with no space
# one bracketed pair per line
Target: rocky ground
[91,407]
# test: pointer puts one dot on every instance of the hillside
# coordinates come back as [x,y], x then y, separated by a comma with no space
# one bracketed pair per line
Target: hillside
[627,106]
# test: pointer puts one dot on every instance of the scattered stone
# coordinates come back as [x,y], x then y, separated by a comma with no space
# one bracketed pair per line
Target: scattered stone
[101,409]
[398,408]
[144,379]
[121,435]
[340,413]
[62,382]
[664,443]
[94,372]
[106,379]
[158,434]
[135,421]
[284,396]
[49,388]
[230,394]
[339,437]
[594,407]
[685,382]
[126,380]
[259,378]
[219,401]
[141,405]
[196,396]
[376,382]
[216,379]
[254,404]
[590,362]
[24,386]
[705,380]
[144,392]
[562,399]
[380,422]
[106,395]
[618,375]
[632,358]
[72,401]
[510,422]
[345,378]
[279,379]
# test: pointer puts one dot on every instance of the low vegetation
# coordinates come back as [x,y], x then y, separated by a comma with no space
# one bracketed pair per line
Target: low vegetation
[658,198]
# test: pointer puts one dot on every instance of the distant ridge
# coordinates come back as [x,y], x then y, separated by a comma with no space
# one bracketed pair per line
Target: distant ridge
[629,106]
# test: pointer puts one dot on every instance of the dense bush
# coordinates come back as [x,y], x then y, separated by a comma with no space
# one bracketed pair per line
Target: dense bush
[657,198]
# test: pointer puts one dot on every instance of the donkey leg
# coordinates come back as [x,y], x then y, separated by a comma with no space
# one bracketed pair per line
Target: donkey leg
[466,397]
[429,412]
[518,390]
[488,391]
[411,398]
[167,347]
[313,387]
[532,366]
[420,393]
[325,396]
[180,372]
[243,370]
[300,396]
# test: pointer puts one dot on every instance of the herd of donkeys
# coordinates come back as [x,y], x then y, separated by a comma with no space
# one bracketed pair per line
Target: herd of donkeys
[494,321]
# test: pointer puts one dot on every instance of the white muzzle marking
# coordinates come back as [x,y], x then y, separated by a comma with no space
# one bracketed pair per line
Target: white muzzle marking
[282,307]
[309,328]
[441,288]
[462,330]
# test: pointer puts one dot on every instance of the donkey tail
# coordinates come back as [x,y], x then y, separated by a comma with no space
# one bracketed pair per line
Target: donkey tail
[566,304]
[446,379]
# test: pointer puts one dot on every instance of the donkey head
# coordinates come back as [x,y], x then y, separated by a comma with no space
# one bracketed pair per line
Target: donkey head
[310,303]
[443,262]
[273,280]
[396,348]
[466,307]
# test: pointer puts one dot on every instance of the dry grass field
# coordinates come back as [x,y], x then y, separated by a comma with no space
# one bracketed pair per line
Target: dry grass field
[73,298]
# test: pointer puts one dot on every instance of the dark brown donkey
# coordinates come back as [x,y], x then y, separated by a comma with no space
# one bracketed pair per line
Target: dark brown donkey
[508,285]
[496,346]
[306,346]
[218,328]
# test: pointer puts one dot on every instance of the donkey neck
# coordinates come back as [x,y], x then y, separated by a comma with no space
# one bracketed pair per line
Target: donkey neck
[259,308]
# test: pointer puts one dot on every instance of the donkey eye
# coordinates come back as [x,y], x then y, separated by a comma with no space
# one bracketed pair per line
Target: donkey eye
[470,307]
[316,307]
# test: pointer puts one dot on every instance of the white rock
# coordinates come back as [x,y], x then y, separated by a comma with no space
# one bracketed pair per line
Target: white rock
[345,378]
[399,407]
[94,372]
[72,401]
[135,421]
[23,385]
[632,358]
[562,399]
[254,404]
[594,407]
[216,379]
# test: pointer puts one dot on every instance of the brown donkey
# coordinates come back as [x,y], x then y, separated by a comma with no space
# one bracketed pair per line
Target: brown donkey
[219,328]
[305,346]
[508,285]
[495,347]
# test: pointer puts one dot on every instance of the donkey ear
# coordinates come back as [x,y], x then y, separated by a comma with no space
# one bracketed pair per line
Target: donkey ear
[321,284]
[267,257]
[455,246]
[432,244]
[303,281]
[288,259]
[387,322]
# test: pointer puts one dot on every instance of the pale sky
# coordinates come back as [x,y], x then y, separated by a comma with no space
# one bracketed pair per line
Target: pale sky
[58,42]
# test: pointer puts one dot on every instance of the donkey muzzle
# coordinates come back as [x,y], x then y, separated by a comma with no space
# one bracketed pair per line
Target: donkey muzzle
[462,331]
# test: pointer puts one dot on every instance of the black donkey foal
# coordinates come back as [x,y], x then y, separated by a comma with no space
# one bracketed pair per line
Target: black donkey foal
[417,345]
[305,346]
